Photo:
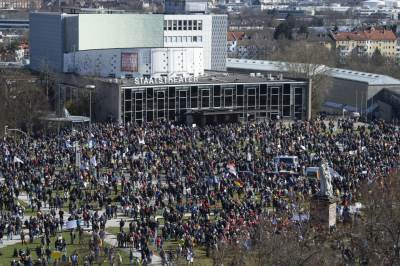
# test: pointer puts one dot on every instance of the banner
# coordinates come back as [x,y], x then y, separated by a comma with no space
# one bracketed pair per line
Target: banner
[71,224]
[129,62]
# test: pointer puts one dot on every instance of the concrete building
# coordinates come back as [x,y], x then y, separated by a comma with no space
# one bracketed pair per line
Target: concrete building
[84,43]
[350,90]
[199,30]
[212,98]
[148,67]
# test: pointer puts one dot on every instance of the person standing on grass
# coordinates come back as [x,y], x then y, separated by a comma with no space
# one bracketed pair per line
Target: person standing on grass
[190,257]
[74,259]
[9,231]
[121,225]
[23,242]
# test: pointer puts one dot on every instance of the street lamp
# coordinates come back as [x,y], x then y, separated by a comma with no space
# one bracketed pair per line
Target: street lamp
[91,88]
[6,130]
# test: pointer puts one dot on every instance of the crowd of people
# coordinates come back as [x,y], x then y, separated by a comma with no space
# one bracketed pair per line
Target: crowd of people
[194,185]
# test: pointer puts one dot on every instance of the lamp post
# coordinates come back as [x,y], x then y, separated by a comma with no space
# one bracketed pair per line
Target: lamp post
[90,87]
[6,130]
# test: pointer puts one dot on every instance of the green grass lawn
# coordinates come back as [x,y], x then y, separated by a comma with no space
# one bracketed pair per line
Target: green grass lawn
[200,253]
[27,211]
[200,258]
[115,230]
[82,249]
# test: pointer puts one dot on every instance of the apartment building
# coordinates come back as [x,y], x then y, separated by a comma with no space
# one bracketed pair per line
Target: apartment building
[364,43]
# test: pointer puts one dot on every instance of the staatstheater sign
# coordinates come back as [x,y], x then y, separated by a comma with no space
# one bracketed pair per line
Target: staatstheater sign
[165,80]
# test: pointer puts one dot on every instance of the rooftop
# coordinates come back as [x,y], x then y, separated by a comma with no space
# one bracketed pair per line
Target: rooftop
[212,78]
[235,35]
[340,73]
[366,35]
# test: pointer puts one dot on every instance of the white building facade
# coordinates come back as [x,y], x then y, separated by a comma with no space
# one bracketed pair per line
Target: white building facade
[199,30]
[129,45]
[131,63]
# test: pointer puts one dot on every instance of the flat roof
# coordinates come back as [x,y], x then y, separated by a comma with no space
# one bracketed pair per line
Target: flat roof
[340,73]
[216,78]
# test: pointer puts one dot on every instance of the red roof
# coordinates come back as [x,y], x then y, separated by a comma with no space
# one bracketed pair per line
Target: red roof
[235,35]
[366,35]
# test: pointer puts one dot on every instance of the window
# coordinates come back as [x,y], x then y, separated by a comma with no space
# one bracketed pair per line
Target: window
[190,39]
[179,39]
[194,24]
[174,24]
[165,24]
[185,25]
[189,25]
[200,25]
[205,98]
[194,38]
[169,22]
[200,38]
[169,39]
[174,39]
[179,24]
[228,97]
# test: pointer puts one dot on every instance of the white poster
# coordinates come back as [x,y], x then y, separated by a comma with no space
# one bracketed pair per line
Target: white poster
[71,224]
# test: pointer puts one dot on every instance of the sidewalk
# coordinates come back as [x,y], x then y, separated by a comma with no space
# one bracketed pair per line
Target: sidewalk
[110,239]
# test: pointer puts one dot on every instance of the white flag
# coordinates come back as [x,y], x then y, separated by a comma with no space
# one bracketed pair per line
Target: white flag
[93,161]
[17,160]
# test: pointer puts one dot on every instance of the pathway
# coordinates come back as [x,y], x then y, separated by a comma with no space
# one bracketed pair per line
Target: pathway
[110,239]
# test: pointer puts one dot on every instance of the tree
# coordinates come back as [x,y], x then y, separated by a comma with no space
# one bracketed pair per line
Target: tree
[377,238]
[310,64]
[283,29]
[377,59]
[373,237]
[22,101]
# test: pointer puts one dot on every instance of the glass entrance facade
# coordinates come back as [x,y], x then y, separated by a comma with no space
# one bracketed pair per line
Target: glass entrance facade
[261,101]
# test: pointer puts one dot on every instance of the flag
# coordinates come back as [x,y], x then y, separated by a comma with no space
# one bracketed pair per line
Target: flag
[93,161]
[17,160]
[231,168]
[238,183]
[68,144]
[248,157]
[90,144]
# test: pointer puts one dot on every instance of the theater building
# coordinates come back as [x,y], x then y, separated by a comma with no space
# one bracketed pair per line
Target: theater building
[211,99]
[152,67]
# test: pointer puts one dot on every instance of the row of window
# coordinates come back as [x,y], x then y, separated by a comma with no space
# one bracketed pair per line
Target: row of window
[171,115]
[183,25]
[185,39]
[183,102]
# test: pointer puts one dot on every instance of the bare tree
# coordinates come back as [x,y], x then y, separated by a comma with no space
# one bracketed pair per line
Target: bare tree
[22,100]
[310,61]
